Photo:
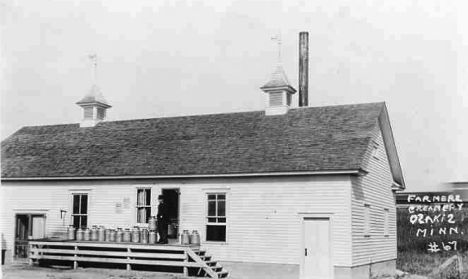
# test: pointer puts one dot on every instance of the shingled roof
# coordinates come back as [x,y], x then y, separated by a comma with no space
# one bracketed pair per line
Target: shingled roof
[332,138]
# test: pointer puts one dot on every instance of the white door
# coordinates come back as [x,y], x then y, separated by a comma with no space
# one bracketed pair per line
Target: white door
[317,249]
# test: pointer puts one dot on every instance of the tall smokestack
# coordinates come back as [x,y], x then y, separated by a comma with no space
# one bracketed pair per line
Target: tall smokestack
[303,69]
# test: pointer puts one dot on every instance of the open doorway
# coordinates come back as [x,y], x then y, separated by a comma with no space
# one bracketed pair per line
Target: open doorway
[171,198]
[28,226]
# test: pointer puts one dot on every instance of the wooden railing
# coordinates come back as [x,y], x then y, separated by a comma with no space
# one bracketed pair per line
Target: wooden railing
[119,253]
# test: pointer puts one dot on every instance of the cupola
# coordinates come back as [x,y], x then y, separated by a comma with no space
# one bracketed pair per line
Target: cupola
[94,104]
[279,92]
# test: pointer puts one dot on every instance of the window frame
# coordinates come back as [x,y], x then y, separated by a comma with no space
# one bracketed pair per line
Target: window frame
[367,220]
[210,191]
[72,200]
[386,230]
[375,150]
[150,206]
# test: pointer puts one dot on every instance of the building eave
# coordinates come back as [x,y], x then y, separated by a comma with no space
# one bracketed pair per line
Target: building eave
[127,177]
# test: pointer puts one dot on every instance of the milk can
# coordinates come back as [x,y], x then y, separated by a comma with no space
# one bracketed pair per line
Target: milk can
[136,235]
[127,236]
[71,232]
[101,234]
[94,233]
[112,236]
[185,238]
[195,238]
[144,236]
[152,237]
[119,235]
[87,235]
[152,223]
[108,234]
[79,234]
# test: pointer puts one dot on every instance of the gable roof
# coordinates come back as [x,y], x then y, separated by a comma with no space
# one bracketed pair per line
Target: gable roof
[308,139]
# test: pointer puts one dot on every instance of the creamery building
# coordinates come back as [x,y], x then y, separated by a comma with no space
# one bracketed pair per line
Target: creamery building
[284,192]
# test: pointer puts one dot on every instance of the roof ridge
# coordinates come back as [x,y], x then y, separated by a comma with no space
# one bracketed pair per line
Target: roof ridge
[198,115]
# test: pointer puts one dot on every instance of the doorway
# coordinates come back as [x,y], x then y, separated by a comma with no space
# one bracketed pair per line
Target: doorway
[28,227]
[171,198]
[317,253]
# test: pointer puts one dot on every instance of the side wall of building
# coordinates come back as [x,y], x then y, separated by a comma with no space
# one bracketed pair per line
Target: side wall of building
[374,190]
[262,213]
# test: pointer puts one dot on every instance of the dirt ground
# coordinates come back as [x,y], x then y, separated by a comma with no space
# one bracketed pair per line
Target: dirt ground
[24,271]
[28,272]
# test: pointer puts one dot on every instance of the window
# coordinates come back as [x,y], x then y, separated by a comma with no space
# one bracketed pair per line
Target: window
[88,113]
[101,113]
[386,222]
[80,210]
[143,205]
[375,150]
[216,218]
[276,99]
[367,219]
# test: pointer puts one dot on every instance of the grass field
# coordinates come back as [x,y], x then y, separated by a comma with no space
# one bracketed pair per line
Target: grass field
[422,263]
[413,254]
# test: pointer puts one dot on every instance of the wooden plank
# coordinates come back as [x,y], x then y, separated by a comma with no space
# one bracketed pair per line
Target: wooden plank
[115,254]
[123,261]
[185,260]
[114,245]
[201,263]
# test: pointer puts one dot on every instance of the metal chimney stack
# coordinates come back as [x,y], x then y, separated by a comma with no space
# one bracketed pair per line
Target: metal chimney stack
[303,69]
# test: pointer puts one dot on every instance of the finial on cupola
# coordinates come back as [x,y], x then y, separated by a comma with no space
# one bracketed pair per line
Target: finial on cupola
[278,88]
[93,103]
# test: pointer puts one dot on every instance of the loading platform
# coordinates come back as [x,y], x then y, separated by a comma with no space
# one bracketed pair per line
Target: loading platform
[192,260]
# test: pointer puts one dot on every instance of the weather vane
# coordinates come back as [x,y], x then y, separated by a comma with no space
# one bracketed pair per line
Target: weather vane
[93,59]
[277,38]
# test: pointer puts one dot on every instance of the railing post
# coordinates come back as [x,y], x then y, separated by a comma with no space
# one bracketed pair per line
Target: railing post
[31,262]
[128,259]
[75,262]
[185,262]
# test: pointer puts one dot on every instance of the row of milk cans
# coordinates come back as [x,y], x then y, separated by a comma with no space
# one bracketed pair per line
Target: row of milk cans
[135,235]
[95,233]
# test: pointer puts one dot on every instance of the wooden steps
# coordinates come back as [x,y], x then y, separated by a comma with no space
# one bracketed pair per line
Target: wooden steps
[211,268]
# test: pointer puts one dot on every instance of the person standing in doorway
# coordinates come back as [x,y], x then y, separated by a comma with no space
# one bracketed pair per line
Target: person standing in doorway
[163,220]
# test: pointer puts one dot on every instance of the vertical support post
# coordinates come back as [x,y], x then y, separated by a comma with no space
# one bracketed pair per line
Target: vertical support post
[185,262]
[75,262]
[31,254]
[128,259]
[303,69]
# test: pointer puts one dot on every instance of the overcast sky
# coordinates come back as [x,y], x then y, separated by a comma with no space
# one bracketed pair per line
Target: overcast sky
[166,58]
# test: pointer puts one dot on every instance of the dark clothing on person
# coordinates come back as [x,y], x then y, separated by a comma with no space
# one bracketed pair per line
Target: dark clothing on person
[163,221]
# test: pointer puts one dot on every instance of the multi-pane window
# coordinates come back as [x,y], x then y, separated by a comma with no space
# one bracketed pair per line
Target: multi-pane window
[216,217]
[80,210]
[143,205]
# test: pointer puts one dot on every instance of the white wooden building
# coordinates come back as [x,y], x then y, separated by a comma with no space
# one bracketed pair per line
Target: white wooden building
[282,193]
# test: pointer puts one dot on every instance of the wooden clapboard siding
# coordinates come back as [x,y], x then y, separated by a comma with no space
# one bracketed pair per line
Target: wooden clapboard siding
[374,189]
[263,225]
[262,222]
[42,199]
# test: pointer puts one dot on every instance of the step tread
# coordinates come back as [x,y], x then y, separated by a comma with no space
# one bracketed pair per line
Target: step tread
[222,274]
